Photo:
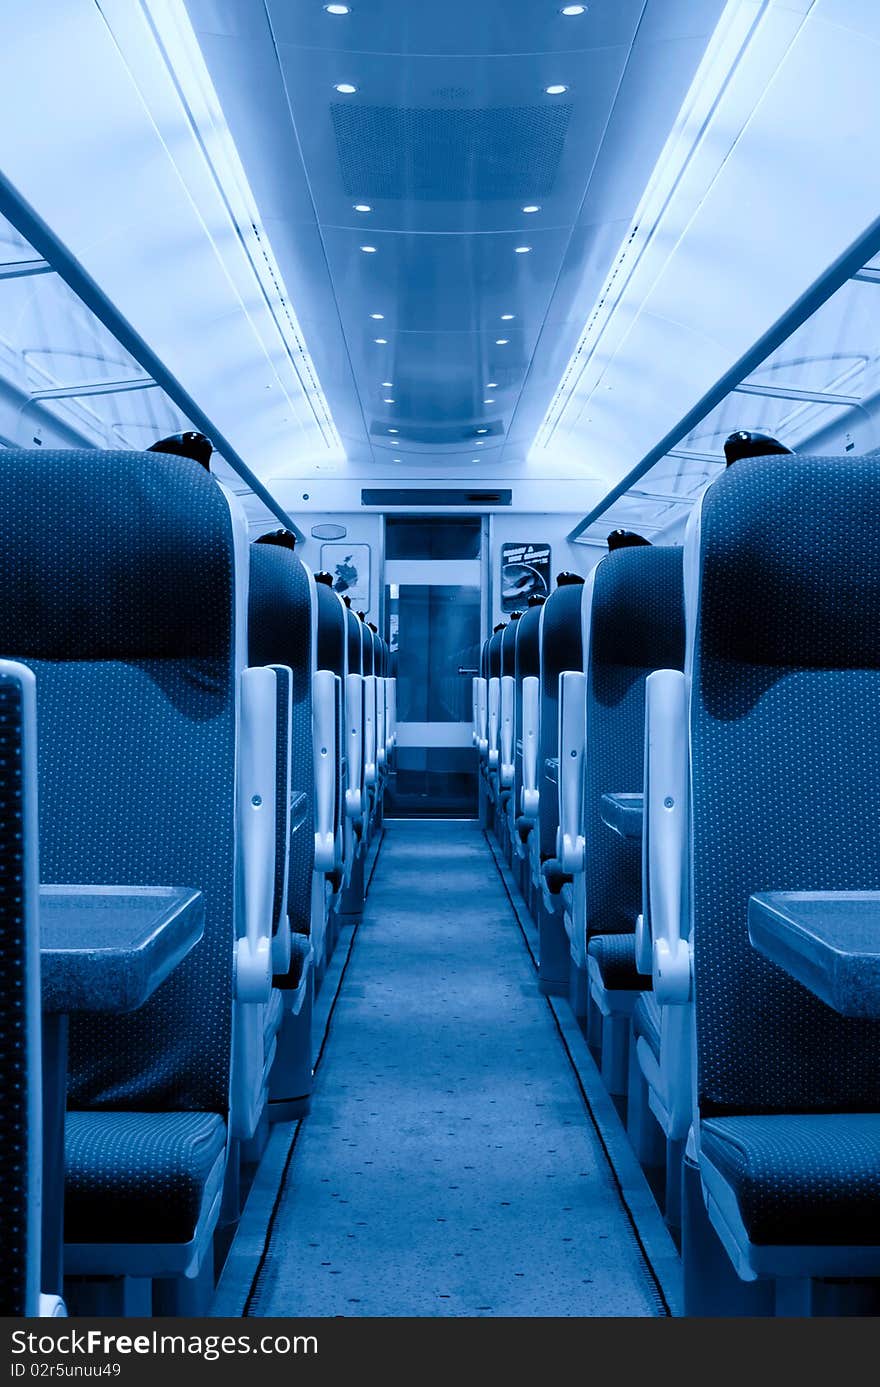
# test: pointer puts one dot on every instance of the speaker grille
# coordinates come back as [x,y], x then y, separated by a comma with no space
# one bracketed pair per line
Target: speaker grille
[439,155]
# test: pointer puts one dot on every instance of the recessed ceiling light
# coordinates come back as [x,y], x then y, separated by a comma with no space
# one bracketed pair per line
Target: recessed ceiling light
[482,430]
[344,9]
[394,430]
[479,443]
[501,341]
[364,207]
[368,250]
[532,207]
[377,316]
[388,402]
[520,250]
[556,90]
[492,385]
[506,317]
[570,10]
[349,89]
[381,341]
[388,384]
[395,459]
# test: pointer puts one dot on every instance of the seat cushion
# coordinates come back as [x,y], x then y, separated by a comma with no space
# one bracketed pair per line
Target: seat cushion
[616,956]
[646,1021]
[808,1179]
[137,1177]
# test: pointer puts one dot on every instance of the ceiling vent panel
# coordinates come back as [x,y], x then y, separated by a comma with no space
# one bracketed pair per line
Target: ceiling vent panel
[437,435]
[435,154]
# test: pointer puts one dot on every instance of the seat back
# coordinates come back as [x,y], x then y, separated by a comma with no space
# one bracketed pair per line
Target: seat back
[280,610]
[782,585]
[20,1087]
[332,656]
[633,624]
[125,582]
[561,649]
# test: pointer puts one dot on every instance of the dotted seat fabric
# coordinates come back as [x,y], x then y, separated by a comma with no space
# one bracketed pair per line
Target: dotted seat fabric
[646,1020]
[802,1179]
[561,649]
[356,633]
[334,625]
[137,1177]
[636,626]
[493,655]
[280,633]
[616,956]
[17,1149]
[369,648]
[118,589]
[785,744]
[527,663]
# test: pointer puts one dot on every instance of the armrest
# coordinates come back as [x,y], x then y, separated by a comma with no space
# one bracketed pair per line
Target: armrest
[256,818]
[284,720]
[354,704]
[494,709]
[624,814]
[665,840]
[380,722]
[324,697]
[572,727]
[369,729]
[508,695]
[531,696]
[391,707]
[481,716]
[829,941]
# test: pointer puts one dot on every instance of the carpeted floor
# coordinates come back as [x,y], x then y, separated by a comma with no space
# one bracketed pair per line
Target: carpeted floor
[448,1166]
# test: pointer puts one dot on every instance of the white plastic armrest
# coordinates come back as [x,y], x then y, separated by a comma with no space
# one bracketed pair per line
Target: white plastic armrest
[494,710]
[392,711]
[380,721]
[508,696]
[572,729]
[483,717]
[324,745]
[369,729]
[666,824]
[531,693]
[354,705]
[256,817]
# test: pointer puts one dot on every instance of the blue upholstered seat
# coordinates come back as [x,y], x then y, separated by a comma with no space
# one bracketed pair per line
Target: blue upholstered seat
[615,957]
[783,591]
[120,575]
[646,1019]
[809,1179]
[561,649]
[140,1177]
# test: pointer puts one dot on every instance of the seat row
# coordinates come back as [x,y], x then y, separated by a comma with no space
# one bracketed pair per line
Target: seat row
[191,724]
[681,759]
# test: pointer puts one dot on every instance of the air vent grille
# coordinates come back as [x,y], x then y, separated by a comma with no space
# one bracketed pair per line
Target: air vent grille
[449,155]
[415,499]
[436,435]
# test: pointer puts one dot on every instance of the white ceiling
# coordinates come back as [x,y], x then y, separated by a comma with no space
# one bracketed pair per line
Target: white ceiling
[449,134]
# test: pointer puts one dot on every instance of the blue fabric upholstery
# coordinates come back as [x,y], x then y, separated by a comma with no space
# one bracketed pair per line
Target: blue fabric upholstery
[493,655]
[16,1073]
[280,633]
[802,1180]
[369,655]
[636,626]
[561,649]
[785,769]
[615,955]
[355,636]
[508,647]
[118,576]
[137,1177]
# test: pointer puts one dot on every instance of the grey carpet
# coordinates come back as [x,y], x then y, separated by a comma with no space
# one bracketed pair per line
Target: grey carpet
[448,1166]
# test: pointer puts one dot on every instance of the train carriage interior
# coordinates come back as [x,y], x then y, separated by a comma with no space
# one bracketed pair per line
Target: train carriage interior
[439,637]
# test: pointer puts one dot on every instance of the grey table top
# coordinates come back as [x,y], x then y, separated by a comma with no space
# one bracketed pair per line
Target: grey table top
[828,940]
[107,948]
[623,813]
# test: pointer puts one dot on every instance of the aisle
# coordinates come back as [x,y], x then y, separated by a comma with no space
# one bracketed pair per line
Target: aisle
[448,1166]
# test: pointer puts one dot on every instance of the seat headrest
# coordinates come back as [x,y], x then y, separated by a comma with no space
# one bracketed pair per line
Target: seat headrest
[790,563]
[637,612]
[113,556]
